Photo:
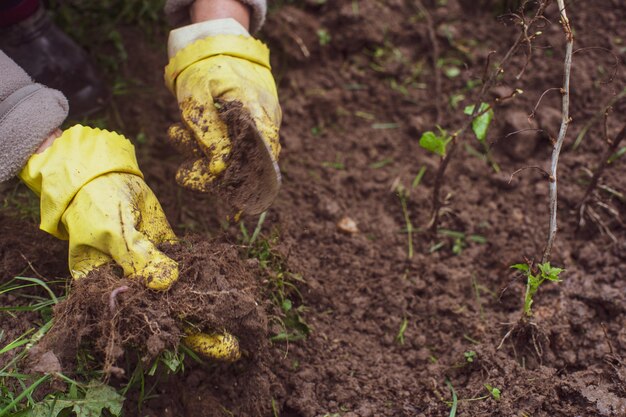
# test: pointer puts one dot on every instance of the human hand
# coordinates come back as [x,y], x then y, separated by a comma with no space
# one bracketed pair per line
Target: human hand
[230,119]
[93,194]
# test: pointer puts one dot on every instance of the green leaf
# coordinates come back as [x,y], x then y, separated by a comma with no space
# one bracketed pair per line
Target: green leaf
[452,72]
[521,267]
[49,408]
[550,273]
[287,304]
[433,143]
[400,335]
[418,178]
[385,126]
[97,397]
[495,392]
[478,239]
[481,123]
[172,360]
[455,399]
[620,152]
[381,164]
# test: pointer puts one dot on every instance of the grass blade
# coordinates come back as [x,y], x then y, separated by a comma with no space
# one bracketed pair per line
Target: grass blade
[23,394]
[455,399]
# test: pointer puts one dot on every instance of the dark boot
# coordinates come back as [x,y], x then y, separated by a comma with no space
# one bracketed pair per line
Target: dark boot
[52,58]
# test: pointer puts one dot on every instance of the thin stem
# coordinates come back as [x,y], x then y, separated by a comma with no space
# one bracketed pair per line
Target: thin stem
[407,219]
[435,57]
[565,120]
[613,145]
[487,84]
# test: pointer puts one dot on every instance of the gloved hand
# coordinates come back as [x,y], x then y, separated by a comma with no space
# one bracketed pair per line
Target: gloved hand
[212,78]
[223,347]
[92,193]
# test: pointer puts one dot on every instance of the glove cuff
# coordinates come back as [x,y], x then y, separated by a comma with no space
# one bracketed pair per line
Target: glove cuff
[186,35]
[78,156]
[177,12]
[236,46]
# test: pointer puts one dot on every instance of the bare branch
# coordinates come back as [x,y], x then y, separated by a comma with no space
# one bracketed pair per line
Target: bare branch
[565,120]
[613,145]
[435,57]
[532,114]
[517,171]
[491,80]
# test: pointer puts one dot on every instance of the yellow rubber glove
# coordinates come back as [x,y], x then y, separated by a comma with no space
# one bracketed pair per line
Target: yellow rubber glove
[222,347]
[93,193]
[210,78]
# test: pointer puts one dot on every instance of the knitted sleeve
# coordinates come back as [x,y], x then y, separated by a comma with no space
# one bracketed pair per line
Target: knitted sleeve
[29,112]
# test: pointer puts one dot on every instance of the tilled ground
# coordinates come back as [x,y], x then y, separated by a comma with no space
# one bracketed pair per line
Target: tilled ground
[357,90]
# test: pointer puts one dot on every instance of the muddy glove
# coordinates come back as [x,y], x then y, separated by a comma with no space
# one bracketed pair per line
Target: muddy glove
[230,113]
[93,194]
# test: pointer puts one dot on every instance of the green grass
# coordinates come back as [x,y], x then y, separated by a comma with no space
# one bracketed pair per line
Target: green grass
[95,25]
[86,395]
[20,202]
[17,388]
[403,327]
[281,283]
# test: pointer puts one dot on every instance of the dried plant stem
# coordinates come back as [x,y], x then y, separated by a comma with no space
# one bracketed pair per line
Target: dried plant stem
[565,120]
[435,58]
[613,145]
[489,81]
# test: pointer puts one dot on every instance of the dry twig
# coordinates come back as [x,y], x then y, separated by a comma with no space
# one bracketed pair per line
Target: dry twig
[565,120]
[604,162]
[489,82]
[435,57]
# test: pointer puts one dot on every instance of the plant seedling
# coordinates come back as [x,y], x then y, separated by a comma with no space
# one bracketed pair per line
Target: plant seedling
[400,335]
[323,37]
[546,272]
[470,356]
[495,392]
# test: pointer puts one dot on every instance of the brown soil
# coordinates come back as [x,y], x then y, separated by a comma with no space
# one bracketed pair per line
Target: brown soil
[354,110]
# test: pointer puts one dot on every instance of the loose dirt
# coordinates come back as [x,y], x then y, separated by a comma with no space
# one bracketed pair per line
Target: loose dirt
[356,84]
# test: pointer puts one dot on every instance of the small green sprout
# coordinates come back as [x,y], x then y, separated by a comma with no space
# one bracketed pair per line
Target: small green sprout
[455,399]
[460,239]
[618,154]
[400,335]
[470,356]
[535,279]
[324,37]
[495,392]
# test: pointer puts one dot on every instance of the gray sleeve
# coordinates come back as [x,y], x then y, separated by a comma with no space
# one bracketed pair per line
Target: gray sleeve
[29,112]
[177,12]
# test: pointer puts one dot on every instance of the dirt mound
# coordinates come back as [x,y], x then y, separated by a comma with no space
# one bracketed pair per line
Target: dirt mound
[216,291]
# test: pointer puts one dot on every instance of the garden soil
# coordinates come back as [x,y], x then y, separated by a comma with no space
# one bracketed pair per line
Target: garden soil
[390,335]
